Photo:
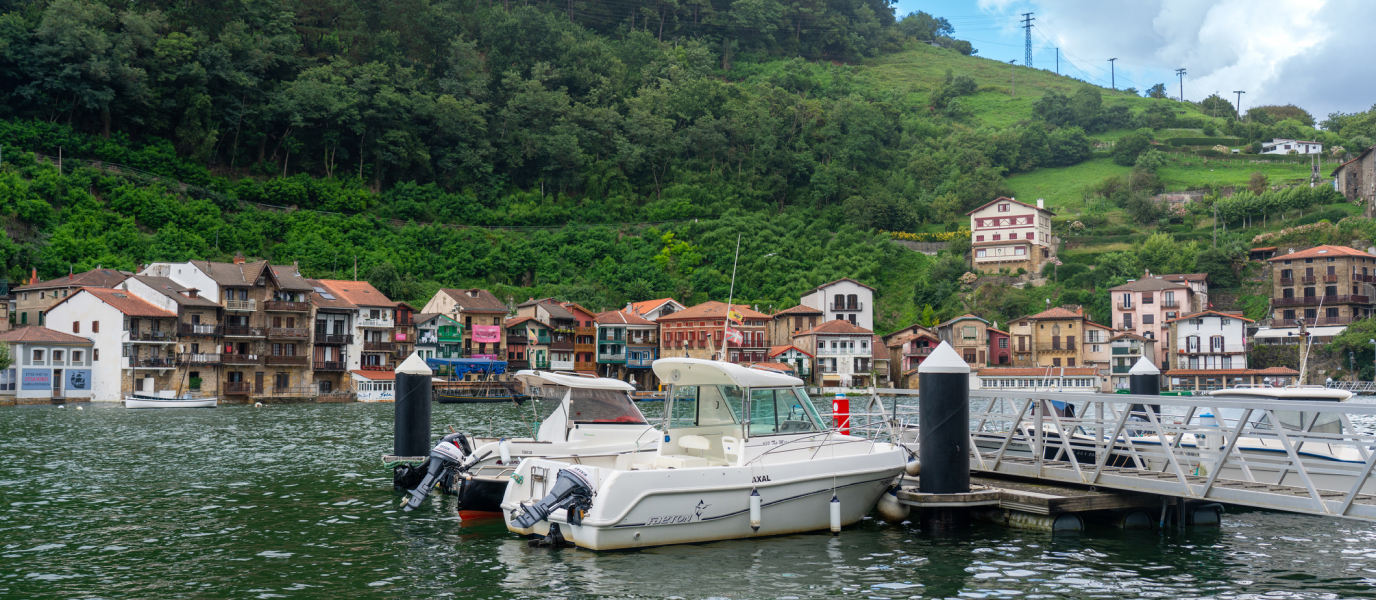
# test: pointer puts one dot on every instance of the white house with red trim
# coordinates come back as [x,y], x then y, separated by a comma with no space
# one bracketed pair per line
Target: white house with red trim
[1007,234]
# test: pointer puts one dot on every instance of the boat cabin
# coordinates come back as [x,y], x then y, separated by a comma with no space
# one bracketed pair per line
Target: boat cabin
[566,403]
[714,410]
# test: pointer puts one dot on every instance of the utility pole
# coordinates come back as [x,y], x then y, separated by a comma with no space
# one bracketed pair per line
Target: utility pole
[1239,103]
[1027,26]
[1181,73]
[1112,75]
[1215,105]
[1012,77]
[1215,224]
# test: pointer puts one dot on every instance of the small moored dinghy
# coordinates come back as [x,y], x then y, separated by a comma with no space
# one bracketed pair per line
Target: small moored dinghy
[744,454]
[184,401]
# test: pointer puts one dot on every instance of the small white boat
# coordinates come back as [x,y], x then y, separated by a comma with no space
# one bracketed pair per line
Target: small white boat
[745,454]
[579,415]
[137,401]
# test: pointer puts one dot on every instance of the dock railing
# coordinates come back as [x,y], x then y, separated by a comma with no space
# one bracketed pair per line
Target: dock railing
[1305,456]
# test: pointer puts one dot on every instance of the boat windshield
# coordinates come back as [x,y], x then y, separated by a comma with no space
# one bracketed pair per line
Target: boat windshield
[604,407]
[704,405]
[781,410]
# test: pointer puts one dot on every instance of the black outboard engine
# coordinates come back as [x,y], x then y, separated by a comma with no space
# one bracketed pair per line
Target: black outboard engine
[448,458]
[571,490]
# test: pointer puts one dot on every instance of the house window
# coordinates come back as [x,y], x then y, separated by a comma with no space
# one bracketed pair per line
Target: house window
[77,356]
[979,238]
[76,326]
[1003,342]
[978,254]
[37,356]
[1031,236]
[997,237]
[1020,251]
[1003,208]
[95,326]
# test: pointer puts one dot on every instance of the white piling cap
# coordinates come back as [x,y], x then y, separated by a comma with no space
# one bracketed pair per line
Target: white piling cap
[1144,367]
[944,360]
[415,365]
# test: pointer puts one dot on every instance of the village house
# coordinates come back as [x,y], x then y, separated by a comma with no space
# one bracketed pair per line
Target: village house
[1000,352]
[1144,306]
[438,336]
[843,353]
[906,353]
[1210,353]
[791,321]
[615,331]
[133,341]
[1127,349]
[47,365]
[560,323]
[1356,180]
[696,332]
[1198,284]
[966,334]
[652,310]
[1009,235]
[797,359]
[845,299]
[1285,146]
[405,332]
[584,338]
[334,352]
[35,297]
[373,346]
[880,363]
[199,334]
[519,349]
[1054,336]
[482,316]
[1096,351]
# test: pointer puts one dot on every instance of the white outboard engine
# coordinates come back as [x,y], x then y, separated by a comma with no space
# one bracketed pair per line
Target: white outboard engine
[571,490]
[451,456]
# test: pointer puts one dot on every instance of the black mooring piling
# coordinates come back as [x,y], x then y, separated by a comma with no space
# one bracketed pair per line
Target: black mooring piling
[944,423]
[1144,379]
[412,416]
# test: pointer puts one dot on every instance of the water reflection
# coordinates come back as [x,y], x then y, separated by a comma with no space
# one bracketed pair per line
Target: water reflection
[290,501]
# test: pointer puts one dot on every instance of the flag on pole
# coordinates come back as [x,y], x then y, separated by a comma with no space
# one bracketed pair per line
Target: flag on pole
[733,336]
[735,316]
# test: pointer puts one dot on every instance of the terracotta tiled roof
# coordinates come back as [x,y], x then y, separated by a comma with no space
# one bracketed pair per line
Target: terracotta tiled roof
[533,302]
[424,317]
[1150,284]
[878,351]
[1228,315]
[517,321]
[326,299]
[175,291]
[122,301]
[777,350]
[839,281]
[1201,277]
[482,302]
[35,334]
[996,331]
[360,293]
[375,375]
[230,274]
[1131,336]
[571,306]
[1267,371]
[714,310]
[1322,251]
[1038,372]
[621,317]
[101,278]
[837,327]
[1008,200]
[799,310]
[647,306]
[1089,323]
[1058,313]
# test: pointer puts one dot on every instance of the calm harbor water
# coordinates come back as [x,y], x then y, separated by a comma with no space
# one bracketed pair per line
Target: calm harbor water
[292,502]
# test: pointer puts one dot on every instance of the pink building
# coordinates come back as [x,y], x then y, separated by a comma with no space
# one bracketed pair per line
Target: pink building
[1000,349]
[1144,306]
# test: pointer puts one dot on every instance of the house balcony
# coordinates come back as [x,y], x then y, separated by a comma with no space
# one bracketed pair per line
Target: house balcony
[1055,348]
[847,306]
[244,331]
[517,364]
[584,365]
[380,323]
[241,359]
[543,340]
[641,362]
[611,357]
[189,358]
[241,305]
[1287,282]
[1170,304]
[379,346]
[1309,279]
[333,339]
[153,337]
[1316,300]
[517,340]
[643,340]
[330,365]
[288,361]
[236,388]
[151,363]
[450,338]
[428,340]
[1330,278]
[1226,349]
[377,367]
[1129,327]
[286,306]
[1122,370]
[1315,321]
[1120,351]
[561,365]
[295,333]
[919,351]
[540,363]
[186,329]
[1125,306]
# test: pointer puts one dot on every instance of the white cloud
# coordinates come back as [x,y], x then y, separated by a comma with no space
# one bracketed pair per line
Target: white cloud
[1312,53]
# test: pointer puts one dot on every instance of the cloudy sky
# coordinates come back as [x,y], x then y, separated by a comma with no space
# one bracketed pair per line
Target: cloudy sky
[1312,53]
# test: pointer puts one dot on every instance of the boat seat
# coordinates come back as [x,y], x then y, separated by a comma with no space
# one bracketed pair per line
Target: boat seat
[730,448]
[694,442]
[679,461]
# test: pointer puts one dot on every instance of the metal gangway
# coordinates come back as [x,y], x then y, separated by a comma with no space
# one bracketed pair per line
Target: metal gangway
[1303,456]
[1365,388]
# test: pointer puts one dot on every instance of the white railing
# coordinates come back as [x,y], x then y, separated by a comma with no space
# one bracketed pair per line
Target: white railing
[1318,461]
[241,305]
[376,323]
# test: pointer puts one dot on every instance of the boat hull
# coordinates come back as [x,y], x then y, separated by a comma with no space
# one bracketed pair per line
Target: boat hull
[656,507]
[463,399]
[170,403]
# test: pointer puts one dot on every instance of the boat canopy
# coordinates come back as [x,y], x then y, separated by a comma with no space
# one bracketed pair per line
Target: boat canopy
[464,366]
[544,378]
[696,371]
[1286,393]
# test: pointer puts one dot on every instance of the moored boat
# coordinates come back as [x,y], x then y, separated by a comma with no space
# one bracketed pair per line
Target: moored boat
[137,401]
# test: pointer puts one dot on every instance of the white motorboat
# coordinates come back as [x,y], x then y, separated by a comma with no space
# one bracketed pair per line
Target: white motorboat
[579,415]
[137,401]
[744,454]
